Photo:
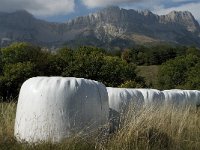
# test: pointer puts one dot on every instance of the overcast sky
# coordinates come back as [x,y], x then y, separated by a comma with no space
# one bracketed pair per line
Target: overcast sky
[62,10]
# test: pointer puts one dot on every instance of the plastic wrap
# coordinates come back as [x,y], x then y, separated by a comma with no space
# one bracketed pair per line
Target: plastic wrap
[53,108]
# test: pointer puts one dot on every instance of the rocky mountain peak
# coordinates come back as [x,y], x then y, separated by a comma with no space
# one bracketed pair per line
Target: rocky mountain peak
[21,14]
[111,8]
[183,18]
[180,15]
[105,26]
[146,12]
[19,20]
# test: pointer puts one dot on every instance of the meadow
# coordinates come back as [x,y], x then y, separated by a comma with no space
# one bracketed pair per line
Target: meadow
[163,127]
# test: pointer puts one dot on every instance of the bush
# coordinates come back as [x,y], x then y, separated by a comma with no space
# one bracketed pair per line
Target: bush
[21,61]
[132,84]
[180,73]
[115,71]
[20,52]
[13,77]
[93,63]
[85,62]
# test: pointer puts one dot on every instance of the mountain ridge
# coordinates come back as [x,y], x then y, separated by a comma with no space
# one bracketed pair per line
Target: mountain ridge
[107,27]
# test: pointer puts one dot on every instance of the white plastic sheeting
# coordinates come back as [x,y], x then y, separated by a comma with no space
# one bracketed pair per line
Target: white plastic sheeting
[119,97]
[174,96]
[182,97]
[53,108]
[119,100]
[151,96]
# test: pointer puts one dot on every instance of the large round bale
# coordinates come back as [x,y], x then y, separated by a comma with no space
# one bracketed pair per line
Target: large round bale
[54,108]
[198,98]
[152,96]
[175,96]
[191,97]
[119,101]
[137,97]
[118,98]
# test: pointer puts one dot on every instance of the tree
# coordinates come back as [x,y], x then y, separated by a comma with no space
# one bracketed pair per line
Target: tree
[85,63]
[24,52]
[13,77]
[92,63]
[193,51]
[115,71]
[127,55]
[193,80]
[1,63]
[130,56]
[175,73]
[133,84]
[20,52]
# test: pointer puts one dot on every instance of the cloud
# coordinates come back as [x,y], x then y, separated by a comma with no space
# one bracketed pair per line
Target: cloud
[192,7]
[103,3]
[39,7]
[182,0]
[52,8]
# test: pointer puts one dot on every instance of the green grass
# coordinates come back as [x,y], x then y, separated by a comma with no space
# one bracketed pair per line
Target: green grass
[164,127]
[150,74]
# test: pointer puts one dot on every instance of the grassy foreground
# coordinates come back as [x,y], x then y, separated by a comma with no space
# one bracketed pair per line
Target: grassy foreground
[163,128]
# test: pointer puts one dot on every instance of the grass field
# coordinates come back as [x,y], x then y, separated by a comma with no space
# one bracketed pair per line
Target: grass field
[150,74]
[153,128]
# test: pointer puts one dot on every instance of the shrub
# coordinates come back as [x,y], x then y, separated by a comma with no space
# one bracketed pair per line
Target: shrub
[177,73]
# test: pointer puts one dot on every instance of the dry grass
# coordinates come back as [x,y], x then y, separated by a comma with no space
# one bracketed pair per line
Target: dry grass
[163,127]
[166,127]
[7,119]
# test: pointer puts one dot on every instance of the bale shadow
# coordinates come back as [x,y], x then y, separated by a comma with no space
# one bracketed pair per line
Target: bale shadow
[114,120]
[158,140]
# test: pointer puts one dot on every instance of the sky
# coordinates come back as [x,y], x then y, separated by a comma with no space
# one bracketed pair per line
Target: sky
[63,10]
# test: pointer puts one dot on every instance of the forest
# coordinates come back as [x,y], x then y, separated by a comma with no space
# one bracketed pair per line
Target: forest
[179,66]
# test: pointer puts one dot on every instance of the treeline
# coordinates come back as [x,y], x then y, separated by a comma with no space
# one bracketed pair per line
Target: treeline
[20,61]
[155,55]
[179,67]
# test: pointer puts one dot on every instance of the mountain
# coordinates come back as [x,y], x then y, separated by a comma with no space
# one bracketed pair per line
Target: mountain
[22,26]
[109,27]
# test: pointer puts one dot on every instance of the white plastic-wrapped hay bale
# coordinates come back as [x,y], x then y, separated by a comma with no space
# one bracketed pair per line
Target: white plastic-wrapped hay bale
[137,95]
[191,97]
[152,96]
[197,93]
[175,96]
[119,101]
[53,108]
[120,98]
